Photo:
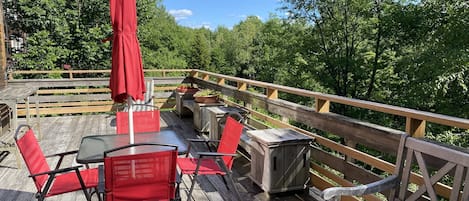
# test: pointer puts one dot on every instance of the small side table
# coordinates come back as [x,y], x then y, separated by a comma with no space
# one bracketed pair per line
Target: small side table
[11,96]
[280,159]
[215,114]
[201,115]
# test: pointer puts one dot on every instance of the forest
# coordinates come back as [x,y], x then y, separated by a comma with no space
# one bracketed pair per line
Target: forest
[413,54]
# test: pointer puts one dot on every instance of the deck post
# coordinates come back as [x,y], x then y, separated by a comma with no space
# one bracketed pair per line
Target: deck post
[415,127]
[3,56]
[272,93]
[322,106]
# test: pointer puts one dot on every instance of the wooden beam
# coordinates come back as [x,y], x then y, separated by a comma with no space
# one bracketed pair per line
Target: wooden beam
[221,81]
[380,107]
[194,73]
[322,105]
[206,77]
[68,110]
[272,93]
[67,91]
[415,127]
[242,86]
[3,55]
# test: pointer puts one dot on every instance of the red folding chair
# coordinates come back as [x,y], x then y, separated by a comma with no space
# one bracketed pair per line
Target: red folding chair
[144,121]
[142,171]
[57,181]
[211,163]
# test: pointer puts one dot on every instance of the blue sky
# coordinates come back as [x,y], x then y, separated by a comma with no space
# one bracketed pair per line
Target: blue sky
[212,13]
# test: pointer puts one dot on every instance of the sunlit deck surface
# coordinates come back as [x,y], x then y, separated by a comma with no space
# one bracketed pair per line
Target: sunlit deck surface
[64,133]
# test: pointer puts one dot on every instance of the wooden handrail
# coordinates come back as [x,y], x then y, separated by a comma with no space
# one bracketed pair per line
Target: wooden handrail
[101,103]
[31,72]
[415,119]
[380,107]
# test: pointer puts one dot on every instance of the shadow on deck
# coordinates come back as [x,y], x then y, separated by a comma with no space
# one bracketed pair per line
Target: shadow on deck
[65,133]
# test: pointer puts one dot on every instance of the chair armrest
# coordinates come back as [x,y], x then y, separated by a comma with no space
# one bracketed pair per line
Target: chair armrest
[57,171]
[61,157]
[62,154]
[377,186]
[201,140]
[101,187]
[191,140]
[213,154]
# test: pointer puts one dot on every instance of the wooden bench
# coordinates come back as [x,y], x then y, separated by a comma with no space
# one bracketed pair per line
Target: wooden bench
[434,160]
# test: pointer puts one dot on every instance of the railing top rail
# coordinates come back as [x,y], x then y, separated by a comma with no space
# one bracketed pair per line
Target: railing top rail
[380,107]
[92,71]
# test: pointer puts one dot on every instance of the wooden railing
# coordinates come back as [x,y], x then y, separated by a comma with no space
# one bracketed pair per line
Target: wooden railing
[92,95]
[71,73]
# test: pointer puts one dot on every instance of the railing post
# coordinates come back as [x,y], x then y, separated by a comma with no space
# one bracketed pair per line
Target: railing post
[322,106]
[242,86]
[351,144]
[221,81]
[70,74]
[206,77]
[272,93]
[415,127]
[194,74]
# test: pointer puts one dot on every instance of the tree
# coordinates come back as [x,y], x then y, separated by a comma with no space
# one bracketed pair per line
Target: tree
[245,32]
[200,52]
[163,43]
[61,32]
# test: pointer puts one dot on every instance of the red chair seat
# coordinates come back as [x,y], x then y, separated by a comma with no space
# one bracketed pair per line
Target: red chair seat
[221,165]
[207,166]
[69,182]
[57,181]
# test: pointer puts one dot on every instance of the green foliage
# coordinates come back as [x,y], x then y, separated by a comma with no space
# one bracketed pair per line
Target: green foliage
[413,54]
[206,92]
[62,32]
[163,43]
[200,53]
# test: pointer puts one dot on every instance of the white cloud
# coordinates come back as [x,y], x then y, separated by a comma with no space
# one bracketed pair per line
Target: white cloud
[205,25]
[180,14]
[242,16]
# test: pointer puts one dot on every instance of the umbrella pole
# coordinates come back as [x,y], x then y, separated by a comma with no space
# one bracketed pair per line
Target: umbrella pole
[131,119]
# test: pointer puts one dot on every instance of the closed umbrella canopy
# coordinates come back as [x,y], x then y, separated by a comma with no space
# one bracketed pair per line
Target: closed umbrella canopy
[127,81]
[127,71]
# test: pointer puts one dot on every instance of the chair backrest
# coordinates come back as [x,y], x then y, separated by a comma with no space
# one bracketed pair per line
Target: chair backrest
[230,139]
[436,162]
[150,175]
[32,154]
[144,121]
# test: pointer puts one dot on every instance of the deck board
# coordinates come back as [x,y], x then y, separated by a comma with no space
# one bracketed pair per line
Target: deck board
[64,134]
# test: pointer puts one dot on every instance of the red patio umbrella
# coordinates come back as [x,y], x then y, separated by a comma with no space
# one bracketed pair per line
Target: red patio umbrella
[127,81]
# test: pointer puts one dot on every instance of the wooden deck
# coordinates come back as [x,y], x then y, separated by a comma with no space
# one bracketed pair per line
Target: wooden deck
[64,134]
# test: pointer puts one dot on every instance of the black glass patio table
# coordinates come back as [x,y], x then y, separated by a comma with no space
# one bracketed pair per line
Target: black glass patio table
[92,147]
